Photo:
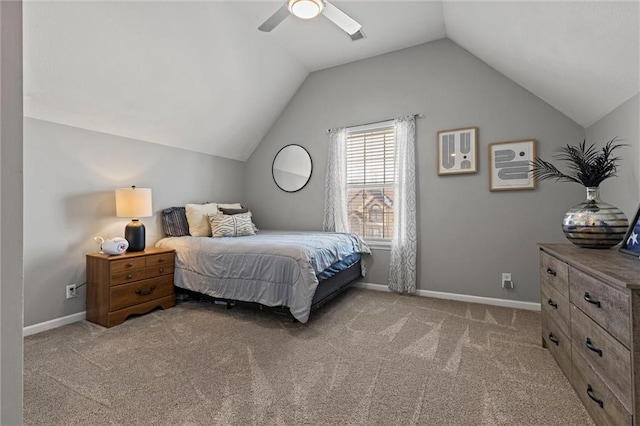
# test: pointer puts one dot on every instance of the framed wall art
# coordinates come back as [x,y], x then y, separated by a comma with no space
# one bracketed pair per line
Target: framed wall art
[631,242]
[510,165]
[457,151]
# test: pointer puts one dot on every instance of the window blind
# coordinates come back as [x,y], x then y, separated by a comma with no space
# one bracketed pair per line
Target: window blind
[370,157]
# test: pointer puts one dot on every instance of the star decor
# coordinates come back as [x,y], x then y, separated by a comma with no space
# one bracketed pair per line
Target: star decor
[630,243]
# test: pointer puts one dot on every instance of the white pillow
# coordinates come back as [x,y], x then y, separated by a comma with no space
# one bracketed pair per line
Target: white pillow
[236,225]
[197,218]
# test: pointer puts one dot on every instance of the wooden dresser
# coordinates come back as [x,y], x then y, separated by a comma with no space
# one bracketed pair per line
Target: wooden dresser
[591,325]
[131,283]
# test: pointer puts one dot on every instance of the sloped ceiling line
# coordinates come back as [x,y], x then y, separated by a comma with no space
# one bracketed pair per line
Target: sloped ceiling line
[200,76]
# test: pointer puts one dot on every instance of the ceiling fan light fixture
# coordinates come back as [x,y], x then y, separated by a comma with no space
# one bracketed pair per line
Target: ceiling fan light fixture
[306,9]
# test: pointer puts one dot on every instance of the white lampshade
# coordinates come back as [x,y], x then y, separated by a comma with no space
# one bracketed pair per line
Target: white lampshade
[306,9]
[133,202]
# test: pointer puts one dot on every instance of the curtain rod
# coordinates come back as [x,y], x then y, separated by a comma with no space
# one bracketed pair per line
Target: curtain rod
[418,115]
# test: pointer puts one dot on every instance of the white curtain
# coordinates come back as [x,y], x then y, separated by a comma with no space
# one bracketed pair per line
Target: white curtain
[335,190]
[402,268]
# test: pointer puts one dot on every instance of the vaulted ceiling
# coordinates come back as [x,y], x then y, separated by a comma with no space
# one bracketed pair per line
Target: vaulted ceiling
[199,75]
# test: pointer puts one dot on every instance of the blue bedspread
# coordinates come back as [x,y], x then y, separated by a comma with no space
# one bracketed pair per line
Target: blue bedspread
[274,268]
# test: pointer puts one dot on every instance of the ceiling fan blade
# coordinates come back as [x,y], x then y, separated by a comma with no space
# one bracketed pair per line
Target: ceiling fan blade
[275,19]
[344,21]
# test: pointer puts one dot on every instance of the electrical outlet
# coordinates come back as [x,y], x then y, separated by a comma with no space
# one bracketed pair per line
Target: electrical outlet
[506,280]
[71,291]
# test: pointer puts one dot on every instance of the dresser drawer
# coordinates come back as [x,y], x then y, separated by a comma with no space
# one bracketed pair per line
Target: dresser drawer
[124,265]
[127,276]
[603,304]
[555,273]
[158,270]
[159,259]
[558,344]
[555,306]
[606,355]
[125,295]
[597,398]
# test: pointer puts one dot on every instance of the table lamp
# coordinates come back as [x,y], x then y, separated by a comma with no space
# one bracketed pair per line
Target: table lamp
[134,203]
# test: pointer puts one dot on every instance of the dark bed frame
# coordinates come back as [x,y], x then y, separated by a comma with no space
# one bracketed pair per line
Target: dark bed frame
[327,290]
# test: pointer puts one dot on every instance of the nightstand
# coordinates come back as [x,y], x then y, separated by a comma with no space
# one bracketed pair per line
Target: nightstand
[130,283]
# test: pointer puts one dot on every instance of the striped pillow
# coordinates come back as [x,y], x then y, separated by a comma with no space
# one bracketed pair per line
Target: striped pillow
[231,226]
[174,222]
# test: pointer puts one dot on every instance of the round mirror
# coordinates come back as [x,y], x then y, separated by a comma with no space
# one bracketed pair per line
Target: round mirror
[292,168]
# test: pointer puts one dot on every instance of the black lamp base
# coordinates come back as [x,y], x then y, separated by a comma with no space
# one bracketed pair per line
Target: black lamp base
[135,235]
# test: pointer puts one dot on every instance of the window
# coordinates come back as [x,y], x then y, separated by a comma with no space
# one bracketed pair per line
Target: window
[370,180]
[375,214]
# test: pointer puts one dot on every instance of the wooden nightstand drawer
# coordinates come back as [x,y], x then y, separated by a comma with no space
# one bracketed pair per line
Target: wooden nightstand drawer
[555,272]
[158,271]
[603,304]
[125,295]
[128,276]
[125,265]
[159,260]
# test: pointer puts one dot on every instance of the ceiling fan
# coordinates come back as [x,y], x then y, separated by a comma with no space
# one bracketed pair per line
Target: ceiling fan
[309,9]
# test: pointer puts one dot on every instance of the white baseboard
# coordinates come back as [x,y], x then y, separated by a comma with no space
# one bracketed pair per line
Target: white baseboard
[59,322]
[530,306]
[54,323]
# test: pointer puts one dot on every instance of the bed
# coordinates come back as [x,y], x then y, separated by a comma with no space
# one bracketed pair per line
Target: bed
[296,270]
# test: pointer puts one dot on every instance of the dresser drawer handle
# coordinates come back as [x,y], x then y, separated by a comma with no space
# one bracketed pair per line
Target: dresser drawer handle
[590,393]
[554,339]
[551,272]
[591,347]
[129,265]
[161,270]
[161,260]
[129,276]
[145,292]
[587,297]
[550,303]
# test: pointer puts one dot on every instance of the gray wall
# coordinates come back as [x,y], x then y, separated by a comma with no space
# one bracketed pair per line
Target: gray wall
[622,191]
[11,213]
[70,176]
[468,235]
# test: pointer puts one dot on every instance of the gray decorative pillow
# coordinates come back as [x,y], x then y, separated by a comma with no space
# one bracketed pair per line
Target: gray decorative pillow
[237,225]
[174,222]
[233,211]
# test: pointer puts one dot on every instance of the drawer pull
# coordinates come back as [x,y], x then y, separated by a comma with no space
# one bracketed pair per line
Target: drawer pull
[550,303]
[591,347]
[161,270]
[145,292]
[129,276]
[551,272]
[590,393]
[129,265]
[554,339]
[161,260]
[587,297]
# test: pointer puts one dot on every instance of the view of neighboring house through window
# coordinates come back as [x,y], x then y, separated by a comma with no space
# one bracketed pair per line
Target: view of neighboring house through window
[370,180]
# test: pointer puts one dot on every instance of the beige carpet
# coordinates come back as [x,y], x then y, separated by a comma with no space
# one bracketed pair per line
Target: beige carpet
[365,358]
